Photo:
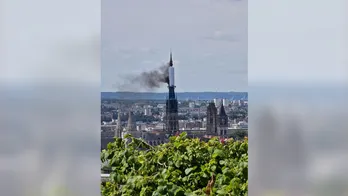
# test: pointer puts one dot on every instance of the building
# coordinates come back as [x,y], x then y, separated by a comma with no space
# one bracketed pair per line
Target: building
[107,135]
[119,128]
[171,116]
[225,102]
[217,120]
[147,111]
[222,125]
[131,125]
[217,101]
[109,132]
[211,124]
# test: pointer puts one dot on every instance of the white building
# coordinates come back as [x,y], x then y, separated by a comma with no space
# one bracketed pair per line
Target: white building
[161,106]
[243,124]
[148,112]
[225,102]
[217,102]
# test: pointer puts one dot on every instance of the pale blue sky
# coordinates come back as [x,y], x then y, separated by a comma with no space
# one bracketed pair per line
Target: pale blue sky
[208,39]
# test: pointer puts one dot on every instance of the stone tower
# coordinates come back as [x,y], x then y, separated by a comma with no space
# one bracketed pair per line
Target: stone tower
[118,132]
[131,124]
[222,121]
[211,119]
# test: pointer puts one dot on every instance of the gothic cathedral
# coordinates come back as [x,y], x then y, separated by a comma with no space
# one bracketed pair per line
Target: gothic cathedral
[217,122]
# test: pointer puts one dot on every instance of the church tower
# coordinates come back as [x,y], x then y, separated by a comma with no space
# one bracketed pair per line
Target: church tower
[171,118]
[211,119]
[131,124]
[222,121]
[118,132]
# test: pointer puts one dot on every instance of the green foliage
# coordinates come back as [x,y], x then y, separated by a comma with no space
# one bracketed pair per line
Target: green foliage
[239,134]
[181,167]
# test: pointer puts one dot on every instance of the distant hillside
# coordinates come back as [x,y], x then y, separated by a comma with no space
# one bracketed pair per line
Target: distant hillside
[180,95]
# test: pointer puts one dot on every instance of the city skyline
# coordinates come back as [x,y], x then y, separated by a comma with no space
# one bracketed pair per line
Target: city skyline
[209,52]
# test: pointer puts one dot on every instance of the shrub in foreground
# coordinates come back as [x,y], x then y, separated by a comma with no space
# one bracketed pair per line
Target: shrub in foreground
[183,166]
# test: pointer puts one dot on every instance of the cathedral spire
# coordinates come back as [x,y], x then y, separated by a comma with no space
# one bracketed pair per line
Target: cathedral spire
[222,111]
[171,59]
[130,125]
[119,125]
[119,119]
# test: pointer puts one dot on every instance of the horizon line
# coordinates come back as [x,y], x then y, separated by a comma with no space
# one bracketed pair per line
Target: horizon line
[176,92]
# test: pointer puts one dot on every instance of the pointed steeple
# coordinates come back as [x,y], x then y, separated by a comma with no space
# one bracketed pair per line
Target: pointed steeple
[222,111]
[130,126]
[119,119]
[118,132]
[171,59]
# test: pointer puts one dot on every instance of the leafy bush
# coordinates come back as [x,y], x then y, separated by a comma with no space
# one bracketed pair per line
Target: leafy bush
[181,167]
[239,134]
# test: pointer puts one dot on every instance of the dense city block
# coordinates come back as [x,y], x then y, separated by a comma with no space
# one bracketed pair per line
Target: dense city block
[199,118]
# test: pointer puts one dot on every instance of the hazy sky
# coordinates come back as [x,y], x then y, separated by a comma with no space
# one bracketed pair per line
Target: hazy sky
[286,44]
[208,39]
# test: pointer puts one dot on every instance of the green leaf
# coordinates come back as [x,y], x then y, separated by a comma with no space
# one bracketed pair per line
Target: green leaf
[222,162]
[161,189]
[179,192]
[222,192]
[218,153]
[141,159]
[213,168]
[188,170]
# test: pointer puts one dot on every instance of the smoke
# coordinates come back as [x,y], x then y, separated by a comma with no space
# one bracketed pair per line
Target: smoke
[148,80]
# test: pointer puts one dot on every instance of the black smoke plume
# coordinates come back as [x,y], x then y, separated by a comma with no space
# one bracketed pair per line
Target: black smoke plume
[148,80]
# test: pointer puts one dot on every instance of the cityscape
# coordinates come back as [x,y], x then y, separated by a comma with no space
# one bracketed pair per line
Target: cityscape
[155,120]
